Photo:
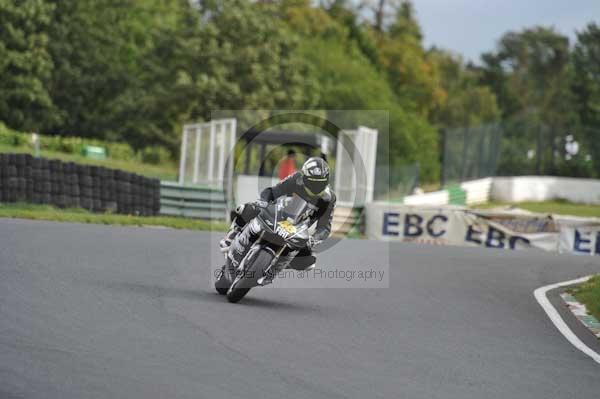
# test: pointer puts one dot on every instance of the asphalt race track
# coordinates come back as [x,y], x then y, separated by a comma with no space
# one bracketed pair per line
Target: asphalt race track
[108,312]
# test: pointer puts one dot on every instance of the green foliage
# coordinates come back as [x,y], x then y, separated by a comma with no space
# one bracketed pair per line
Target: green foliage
[586,87]
[465,102]
[134,71]
[25,65]
[588,293]
[412,75]
[254,65]
[75,145]
[155,155]
[348,79]
[106,69]
[66,145]
[531,76]
[10,137]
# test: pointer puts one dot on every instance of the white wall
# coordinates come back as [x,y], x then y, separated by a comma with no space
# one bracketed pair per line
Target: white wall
[544,188]
[517,189]
[478,192]
[434,198]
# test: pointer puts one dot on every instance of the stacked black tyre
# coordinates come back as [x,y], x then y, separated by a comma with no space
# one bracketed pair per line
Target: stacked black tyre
[24,178]
[15,178]
[41,181]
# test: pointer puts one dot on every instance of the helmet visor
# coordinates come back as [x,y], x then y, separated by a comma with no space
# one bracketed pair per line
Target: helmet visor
[316,184]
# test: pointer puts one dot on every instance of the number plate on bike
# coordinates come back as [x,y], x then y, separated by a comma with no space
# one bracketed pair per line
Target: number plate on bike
[287,227]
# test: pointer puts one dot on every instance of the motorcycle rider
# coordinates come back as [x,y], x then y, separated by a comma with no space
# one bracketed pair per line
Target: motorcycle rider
[311,183]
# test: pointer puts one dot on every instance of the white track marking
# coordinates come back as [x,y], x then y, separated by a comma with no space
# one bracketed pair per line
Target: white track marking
[540,296]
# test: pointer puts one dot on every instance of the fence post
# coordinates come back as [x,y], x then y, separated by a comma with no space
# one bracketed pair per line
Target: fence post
[538,159]
[444,155]
[183,156]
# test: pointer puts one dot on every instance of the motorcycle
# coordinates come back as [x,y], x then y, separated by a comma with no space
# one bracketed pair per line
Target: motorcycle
[283,229]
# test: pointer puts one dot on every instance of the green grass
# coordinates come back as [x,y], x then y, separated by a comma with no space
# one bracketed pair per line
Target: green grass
[557,206]
[588,293]
[167,171]
[76,215]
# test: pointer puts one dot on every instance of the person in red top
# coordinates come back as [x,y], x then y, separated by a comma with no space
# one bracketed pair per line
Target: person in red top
[288,165]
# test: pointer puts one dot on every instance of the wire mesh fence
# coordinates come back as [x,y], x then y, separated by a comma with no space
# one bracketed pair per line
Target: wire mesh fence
[470,153]
[519,147]
[393,183]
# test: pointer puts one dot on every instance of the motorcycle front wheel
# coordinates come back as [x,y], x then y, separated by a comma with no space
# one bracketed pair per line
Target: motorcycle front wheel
[222,285]
[243,282]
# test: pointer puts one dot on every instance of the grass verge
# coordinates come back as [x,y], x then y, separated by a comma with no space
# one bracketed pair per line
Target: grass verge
[588,293]
[166,171]
[77,215]
[558,207]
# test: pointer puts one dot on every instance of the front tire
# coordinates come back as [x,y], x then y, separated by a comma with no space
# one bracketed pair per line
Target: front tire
[222,284]
[242,284]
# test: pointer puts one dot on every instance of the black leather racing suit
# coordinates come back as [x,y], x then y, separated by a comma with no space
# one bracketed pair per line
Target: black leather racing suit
[325,203]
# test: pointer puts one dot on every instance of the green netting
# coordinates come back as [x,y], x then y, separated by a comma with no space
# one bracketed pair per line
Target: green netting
[519,146]
[470,153]
[394,183]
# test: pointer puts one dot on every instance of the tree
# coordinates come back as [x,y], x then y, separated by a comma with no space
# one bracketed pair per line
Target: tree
[382,11]
[586,87]
[349,81]
[244,57]
[411,74]
[25,65]
[465,102]
[586,64]
[359,33]
[101,81]
[531,76]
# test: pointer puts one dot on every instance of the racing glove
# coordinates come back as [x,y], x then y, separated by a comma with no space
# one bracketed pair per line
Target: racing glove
[261,203]
[313,242]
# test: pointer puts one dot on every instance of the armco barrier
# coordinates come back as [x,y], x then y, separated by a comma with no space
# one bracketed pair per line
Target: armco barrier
[192,201]
[24,178]
[456,195]
[210,203]
[478,191]
[467,193]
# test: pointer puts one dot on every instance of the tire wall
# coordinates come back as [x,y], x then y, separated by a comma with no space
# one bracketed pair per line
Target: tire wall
[24,178]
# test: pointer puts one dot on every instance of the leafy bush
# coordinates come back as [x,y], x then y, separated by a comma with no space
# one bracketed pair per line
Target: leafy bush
[118,150]
[11,137]
[155,155]
[75,145]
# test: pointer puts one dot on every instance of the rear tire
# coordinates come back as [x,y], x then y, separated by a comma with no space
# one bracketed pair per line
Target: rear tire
[242,284]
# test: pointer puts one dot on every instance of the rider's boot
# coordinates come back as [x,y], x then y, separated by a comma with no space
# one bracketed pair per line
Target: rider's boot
[226,241]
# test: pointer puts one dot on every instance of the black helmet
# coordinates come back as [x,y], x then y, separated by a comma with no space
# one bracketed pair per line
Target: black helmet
[315,175]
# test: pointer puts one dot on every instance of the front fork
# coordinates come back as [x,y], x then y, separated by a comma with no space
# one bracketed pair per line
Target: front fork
[269,274]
